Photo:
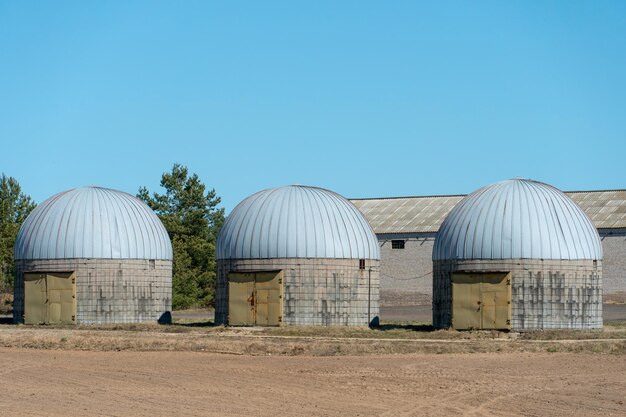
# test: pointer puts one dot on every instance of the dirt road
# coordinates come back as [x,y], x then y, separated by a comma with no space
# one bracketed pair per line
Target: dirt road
[67,383]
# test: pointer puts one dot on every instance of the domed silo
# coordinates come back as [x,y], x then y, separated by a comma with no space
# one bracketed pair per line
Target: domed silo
[297,255]
[517,254]
[92,255]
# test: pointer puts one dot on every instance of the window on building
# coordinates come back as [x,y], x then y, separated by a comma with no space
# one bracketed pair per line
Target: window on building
[397,244]
[361,263]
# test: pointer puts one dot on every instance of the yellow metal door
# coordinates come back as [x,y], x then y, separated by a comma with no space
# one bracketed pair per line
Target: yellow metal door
[481,301]
[466,301]
[503,308]
[35,297]
[49,298]
[261,306]
[241,299]
[61,297]
[255,298]
[269,298]
[488,310]
[495,291]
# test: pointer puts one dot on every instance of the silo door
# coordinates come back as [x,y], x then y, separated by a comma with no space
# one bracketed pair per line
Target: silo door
[240,299]
[255,298]
[268,300]
[49,298]
[481,301]
[61,297]
[35,298]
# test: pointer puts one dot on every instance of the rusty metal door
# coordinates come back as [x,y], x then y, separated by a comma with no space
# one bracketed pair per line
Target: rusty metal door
[240,299]
[49,298]
[268,286]
[488,310]
[481,301]
[503,308]
[255,298]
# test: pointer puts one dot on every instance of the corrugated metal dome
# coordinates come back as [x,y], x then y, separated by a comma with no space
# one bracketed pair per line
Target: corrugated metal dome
[517,219]
[296,222]
[93,222]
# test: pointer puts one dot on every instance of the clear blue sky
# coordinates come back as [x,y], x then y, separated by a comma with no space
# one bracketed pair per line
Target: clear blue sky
[368,99]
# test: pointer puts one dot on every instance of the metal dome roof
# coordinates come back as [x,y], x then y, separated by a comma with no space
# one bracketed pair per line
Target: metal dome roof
[93,222]
[517,219]
[296,222]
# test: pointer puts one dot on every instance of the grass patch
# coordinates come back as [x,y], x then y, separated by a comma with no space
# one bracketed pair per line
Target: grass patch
[389,338]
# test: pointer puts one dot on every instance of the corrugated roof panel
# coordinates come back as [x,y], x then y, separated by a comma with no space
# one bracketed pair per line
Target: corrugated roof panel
[517,219]
[94,223]
[297,222]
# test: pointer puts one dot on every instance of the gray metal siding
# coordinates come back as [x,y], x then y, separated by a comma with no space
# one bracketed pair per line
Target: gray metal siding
[93,223]
[296,222]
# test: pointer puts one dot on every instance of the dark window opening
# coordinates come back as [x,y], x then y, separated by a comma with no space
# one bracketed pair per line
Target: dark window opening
[397,244]
[361,263]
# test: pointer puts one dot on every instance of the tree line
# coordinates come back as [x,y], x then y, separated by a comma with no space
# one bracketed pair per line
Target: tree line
[189,211]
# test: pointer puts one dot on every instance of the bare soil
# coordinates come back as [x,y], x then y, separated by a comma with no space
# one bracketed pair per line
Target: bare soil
[68,383]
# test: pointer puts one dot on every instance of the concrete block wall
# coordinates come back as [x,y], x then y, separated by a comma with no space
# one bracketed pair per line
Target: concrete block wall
[545,294]
[108,290]
[315,291]
[406,274]
[614,264]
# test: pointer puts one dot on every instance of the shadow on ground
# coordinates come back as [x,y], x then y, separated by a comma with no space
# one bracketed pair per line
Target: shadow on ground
[194,324]
[399,326]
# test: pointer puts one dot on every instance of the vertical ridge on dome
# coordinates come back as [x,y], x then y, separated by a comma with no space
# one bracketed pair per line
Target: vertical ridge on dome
[296,222]
[517,219]
[93,222]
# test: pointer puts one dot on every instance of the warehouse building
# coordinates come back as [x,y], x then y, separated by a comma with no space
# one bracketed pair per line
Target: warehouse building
[406,228]
[92,255]
[297,255]
[518,254]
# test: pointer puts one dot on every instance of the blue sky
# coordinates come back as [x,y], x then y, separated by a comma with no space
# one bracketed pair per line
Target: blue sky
[368,99]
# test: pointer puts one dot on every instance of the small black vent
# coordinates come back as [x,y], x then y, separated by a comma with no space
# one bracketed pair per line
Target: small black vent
[397,244]
[361,263]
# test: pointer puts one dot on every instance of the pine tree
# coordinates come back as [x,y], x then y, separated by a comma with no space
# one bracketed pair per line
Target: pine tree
[15,206]
[190,214]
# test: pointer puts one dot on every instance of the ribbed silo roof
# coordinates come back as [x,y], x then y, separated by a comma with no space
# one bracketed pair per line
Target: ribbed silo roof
[517,219]
[93,222]
[296,222]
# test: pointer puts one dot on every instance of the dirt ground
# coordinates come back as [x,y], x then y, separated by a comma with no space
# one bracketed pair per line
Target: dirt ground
[192,368]
[68,383]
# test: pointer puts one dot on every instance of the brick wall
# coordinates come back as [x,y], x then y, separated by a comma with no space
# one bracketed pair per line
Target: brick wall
[406,274]
[614,265]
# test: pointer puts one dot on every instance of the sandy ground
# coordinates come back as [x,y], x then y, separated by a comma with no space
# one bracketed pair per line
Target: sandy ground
[68,383]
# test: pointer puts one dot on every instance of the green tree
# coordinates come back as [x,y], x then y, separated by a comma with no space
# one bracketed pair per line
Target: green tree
[192,219]
[15,206]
